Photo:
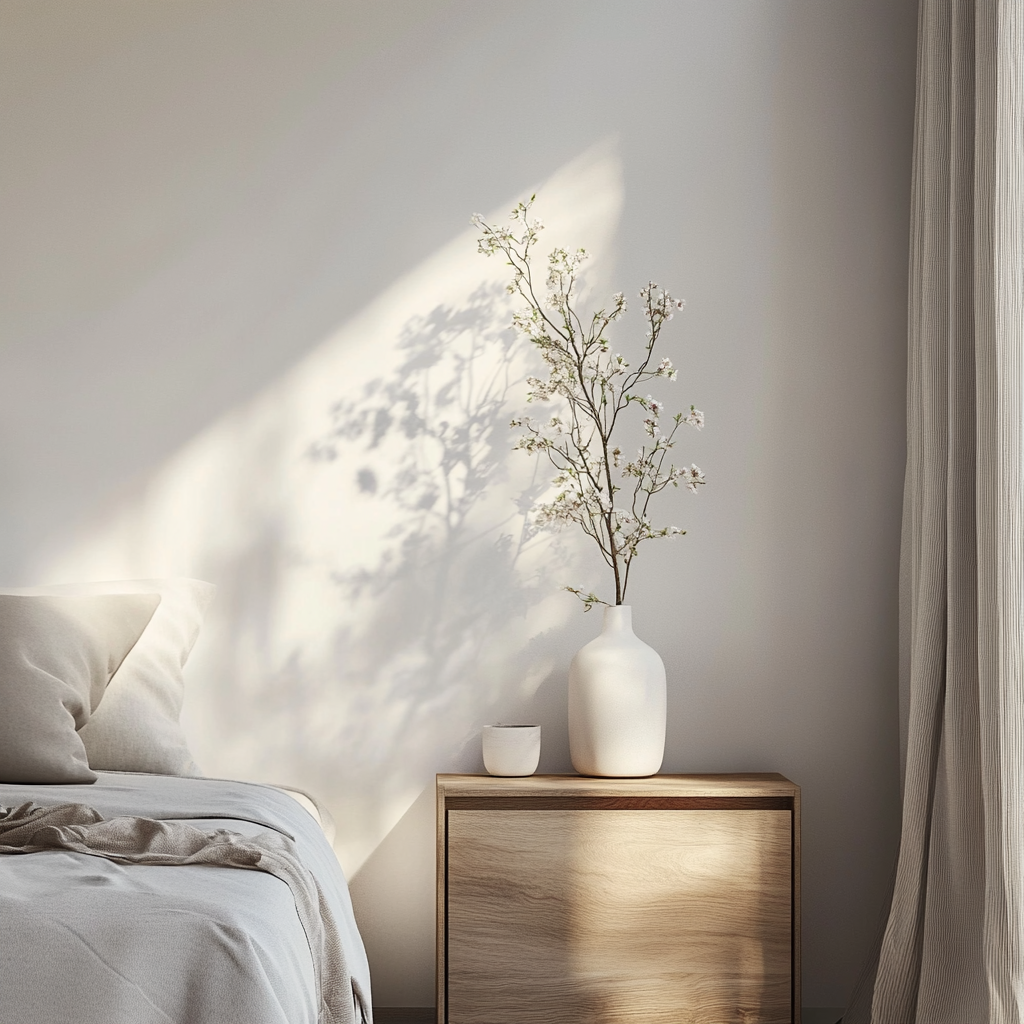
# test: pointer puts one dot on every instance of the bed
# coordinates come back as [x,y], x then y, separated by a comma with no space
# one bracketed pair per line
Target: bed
[133,890]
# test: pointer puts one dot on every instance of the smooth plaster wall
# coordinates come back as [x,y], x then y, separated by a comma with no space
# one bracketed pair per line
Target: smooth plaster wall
[222,220]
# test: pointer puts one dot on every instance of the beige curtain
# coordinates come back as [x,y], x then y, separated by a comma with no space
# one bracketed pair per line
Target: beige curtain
[953,947]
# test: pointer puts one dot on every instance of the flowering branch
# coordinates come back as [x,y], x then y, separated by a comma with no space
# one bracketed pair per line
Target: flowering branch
[597,487]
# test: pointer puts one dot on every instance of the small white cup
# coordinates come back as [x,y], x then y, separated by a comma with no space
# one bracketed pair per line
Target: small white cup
[511,749]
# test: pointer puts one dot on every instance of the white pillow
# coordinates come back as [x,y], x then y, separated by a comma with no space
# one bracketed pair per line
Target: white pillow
[136,726]
[57,655]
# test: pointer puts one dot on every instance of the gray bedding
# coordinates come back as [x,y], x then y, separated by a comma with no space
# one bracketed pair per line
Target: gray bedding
[89,940]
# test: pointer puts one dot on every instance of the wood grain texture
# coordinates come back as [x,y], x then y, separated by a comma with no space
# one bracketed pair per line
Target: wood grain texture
[658,913]
[738,785]
[797,913]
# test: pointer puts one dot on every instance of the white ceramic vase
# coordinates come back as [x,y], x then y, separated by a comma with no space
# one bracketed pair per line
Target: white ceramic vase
[617,702]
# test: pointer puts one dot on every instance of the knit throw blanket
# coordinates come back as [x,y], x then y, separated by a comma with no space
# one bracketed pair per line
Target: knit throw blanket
[128,840]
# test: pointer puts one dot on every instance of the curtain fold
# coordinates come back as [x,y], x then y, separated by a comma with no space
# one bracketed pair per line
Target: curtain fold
[951,951]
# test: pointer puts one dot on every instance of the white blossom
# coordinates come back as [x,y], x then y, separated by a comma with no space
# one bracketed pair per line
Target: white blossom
[694,478]
[594,486]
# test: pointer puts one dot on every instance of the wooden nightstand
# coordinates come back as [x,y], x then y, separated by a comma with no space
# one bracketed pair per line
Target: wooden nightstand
[668,900]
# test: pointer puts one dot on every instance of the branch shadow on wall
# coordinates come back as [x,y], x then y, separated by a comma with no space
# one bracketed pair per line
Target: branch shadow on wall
[431,584]
[432,442]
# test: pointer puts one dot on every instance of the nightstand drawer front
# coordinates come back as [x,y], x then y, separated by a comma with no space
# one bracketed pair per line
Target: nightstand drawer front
[641,916]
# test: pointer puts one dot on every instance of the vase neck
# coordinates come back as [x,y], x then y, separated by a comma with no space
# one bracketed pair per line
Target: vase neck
[618,618]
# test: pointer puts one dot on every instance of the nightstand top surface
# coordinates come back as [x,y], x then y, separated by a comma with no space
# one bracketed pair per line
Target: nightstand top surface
[754,784]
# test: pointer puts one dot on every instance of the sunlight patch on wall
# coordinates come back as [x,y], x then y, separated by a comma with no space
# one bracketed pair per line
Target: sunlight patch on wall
[380,595]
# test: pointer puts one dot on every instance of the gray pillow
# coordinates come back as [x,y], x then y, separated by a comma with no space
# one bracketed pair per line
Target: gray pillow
[57,655]
[137,727]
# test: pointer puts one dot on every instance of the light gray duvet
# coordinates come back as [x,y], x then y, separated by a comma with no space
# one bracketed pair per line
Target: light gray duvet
[88,940]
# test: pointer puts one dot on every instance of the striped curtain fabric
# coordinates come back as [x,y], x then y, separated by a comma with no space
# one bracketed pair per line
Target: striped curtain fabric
[952,951]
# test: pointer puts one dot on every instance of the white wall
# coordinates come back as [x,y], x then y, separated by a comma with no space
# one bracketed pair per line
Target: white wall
[220,218]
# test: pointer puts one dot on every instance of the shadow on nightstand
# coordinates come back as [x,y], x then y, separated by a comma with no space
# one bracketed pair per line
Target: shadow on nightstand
[427,1014]
[822,1015]
[404,1015]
